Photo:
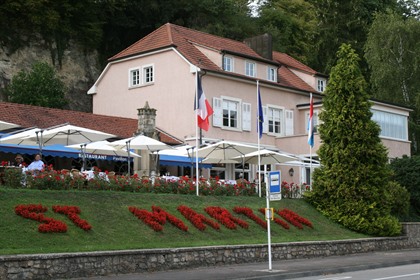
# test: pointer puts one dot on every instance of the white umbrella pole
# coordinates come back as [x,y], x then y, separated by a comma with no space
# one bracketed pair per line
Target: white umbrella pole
[128,157]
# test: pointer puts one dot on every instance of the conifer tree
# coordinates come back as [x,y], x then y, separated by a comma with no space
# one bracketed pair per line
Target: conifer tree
[352,184]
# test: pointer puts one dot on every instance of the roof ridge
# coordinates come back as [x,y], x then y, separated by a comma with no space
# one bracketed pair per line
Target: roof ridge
[296,61]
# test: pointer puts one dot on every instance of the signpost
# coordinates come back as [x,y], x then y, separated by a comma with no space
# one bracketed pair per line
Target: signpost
[275,185]
[273,192]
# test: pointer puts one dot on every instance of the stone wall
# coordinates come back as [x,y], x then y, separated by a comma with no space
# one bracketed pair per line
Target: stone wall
[72,265]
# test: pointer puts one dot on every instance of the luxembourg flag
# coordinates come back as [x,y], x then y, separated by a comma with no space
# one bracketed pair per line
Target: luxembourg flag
[203,109]
[311,123]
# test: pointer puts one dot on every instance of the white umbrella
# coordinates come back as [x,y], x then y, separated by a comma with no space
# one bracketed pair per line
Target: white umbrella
[7,125]
[70,134]
[139,142]
[31,136]
[267,157]
[99,148]
[224,150]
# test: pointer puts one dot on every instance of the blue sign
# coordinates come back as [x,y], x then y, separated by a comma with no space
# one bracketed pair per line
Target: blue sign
[275,185]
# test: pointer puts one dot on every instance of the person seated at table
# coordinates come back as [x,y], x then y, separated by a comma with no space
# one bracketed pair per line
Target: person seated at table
[19,161]
[37,165]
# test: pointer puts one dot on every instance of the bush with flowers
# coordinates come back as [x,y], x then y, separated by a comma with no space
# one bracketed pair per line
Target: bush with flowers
[63,180]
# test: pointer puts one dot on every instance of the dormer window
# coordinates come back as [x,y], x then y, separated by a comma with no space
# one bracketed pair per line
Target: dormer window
[250,69]
[321,85]
[271,74]
[228,63]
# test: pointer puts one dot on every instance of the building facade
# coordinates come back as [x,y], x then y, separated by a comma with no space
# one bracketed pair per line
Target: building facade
[161,69]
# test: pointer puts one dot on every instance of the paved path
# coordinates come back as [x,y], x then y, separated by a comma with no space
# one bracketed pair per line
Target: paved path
[285,269]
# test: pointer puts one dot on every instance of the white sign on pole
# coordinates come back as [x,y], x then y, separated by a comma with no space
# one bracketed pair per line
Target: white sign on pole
[275,185]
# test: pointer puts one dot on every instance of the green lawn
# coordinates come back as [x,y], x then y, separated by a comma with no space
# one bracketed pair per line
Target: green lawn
[115,228]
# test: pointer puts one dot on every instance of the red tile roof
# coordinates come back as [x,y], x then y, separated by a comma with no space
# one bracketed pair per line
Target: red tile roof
[42,117]
[185,41]
[289,61]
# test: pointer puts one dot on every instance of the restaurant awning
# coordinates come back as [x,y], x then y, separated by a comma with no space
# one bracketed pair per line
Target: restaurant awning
[184,161]
[55,151]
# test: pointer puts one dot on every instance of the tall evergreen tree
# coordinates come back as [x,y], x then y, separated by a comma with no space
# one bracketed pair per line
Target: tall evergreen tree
[351,186]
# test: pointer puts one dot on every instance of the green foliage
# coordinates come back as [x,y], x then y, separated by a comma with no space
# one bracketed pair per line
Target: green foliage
[41,87]
[407,173]
[399,199]
[351,186]
[343,21]
[292,23]
[393,53]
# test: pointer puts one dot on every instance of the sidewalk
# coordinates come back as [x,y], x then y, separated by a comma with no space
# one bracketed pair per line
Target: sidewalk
[285,269]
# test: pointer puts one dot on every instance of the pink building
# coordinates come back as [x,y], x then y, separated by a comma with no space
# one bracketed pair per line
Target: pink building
[161,67]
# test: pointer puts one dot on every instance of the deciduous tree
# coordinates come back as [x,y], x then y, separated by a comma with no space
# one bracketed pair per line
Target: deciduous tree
[40,87]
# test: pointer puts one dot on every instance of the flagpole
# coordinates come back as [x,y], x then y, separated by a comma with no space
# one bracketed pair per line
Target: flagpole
[258,137]
[311,135]
[196,134]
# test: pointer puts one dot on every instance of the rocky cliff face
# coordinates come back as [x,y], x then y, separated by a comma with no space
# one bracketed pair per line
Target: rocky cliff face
[78,70]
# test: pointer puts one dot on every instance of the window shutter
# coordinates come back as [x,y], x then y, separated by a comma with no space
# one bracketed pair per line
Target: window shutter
[289,122]
[217,112]
[246,116]
[265,116]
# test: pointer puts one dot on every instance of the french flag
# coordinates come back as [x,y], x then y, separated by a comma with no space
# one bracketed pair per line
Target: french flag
[203,109]
[311,123]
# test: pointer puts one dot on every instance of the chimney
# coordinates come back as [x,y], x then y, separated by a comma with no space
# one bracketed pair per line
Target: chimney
[262,44]
[146,121]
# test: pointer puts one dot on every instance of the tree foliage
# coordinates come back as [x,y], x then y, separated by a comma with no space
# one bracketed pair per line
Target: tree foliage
[40,87]
[343,21]
[292,25]
[351,186]
[406,171]
[393,54]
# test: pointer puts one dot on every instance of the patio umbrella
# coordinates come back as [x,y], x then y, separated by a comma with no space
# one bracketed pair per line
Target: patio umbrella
[224,150]
[99,148]
[7,125]
[30,136]
[70,134]
[267,157]
[139,142]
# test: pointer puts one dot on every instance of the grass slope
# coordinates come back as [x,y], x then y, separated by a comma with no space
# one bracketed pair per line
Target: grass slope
[115,228]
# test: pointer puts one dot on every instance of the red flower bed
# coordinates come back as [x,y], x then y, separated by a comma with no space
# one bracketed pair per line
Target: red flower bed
[294,218]
[72,213]
[34,212]
[224,217]
[250,214]
[276,220]
[153,220]
[171,218]
[157,218]
[198,220]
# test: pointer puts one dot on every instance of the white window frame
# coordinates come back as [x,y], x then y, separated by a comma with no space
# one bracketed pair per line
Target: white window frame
[148,79]
[218,117]
[321,85]
[393,126]
[281,121]
[228,63]
[134,75]
[271,74]
[250,68]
